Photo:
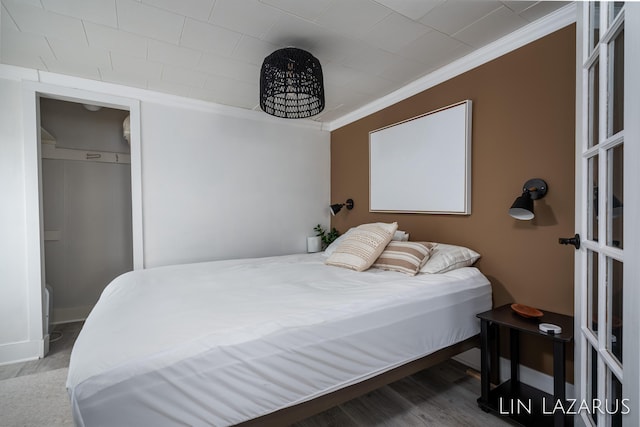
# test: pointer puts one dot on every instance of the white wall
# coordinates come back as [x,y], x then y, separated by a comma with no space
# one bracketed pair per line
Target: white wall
[214,185]
[13,273]
[220,187]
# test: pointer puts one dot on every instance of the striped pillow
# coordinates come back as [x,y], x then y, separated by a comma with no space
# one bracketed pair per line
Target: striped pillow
[405,257]
[362,246]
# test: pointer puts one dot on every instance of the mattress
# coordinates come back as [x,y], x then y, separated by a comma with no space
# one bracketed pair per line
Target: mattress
[223,342]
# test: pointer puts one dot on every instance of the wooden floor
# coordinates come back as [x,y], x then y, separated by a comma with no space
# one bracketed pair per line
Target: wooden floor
[58,357]
[443,396]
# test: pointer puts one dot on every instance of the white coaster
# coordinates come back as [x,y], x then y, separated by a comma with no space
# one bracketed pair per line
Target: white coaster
[550,328]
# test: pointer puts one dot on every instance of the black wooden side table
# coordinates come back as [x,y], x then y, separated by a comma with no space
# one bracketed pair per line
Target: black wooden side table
[522,403]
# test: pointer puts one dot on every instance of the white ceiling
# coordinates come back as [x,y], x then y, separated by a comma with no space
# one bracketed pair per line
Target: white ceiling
[213,49]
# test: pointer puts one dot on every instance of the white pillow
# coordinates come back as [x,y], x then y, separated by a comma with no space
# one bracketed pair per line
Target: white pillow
[362,246]
[400,236]
[445,258]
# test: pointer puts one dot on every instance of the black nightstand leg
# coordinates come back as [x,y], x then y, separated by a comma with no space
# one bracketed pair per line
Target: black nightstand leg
[559,378]
[485,363]
[514,351]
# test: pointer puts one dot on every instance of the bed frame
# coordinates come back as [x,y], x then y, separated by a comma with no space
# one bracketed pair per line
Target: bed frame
[309,408]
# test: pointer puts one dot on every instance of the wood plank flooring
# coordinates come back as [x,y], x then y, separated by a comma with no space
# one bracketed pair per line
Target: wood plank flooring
[58,357]
[443,396]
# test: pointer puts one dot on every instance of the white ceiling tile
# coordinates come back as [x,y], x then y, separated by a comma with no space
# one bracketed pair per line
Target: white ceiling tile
[232,14]
[198,9]
[78,53]
[98,11]
[353,17]
[370,60]
[432,47]
[108,38]
[454,15]
[403,70]
[518,5]
[149,21]
[413,9]
[168,87]
[305,9]
[209,37]
[130,65]
[253,50]
[231,92]
[6,22]
[541,9]
[28,44]
[34,3]
[394,32]
[337,75]
[125,78]
[168,53]
[493,26]
[36,20]
[74,69]
[24,49]
[290,30]
[227,67]
[184,76]
[371,85]
[21,58]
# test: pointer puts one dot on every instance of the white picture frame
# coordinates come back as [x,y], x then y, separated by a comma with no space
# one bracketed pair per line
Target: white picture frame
[423,164]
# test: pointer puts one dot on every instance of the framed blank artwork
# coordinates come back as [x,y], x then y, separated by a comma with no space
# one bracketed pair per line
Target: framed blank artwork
[423,164]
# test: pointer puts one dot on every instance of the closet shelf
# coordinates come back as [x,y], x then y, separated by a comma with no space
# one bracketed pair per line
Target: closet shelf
[53,152]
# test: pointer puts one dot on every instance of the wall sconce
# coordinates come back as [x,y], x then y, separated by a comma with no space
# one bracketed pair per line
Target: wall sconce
[522,208]
[336,207]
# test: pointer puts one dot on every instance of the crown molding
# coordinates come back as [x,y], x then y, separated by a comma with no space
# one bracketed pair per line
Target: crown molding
[521,37]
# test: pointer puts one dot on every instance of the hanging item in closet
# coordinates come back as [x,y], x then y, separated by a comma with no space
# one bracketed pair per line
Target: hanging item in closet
[126,129]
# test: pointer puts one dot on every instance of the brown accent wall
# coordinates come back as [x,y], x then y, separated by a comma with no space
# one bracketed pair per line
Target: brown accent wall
[523,127]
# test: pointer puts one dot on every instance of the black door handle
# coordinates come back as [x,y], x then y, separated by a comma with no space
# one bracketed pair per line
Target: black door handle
[575,241]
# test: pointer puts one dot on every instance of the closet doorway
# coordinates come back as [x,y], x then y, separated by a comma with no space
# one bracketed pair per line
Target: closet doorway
[86,203]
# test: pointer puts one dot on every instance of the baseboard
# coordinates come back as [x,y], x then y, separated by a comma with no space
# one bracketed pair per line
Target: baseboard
[21,351]
[537,379]
[68,315]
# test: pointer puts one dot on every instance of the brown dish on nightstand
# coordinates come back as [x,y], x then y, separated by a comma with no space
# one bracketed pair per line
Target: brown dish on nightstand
[526,311]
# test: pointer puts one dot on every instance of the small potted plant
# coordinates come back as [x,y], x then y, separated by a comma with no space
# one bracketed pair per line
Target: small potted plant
[326,236]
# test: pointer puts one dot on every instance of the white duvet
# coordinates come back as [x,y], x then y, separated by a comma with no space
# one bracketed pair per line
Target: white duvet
[221,342]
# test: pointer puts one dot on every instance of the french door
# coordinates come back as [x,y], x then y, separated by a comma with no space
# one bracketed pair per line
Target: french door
[607,272]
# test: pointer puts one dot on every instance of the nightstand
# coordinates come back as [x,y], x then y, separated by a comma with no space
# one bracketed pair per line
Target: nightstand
[520,402]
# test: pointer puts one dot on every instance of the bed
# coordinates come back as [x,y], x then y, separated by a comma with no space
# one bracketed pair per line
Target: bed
[264,341]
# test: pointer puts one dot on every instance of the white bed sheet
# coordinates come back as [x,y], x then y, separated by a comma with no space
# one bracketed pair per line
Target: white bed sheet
[222,342]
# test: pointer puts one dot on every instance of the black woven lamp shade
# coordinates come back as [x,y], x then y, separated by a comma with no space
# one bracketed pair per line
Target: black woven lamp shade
[291,84]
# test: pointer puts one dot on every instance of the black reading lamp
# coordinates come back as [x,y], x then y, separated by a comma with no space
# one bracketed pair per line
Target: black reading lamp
[335,208]
[522,207]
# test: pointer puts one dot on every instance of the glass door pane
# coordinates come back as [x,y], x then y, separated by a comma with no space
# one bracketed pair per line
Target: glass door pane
[614,308]
[616,85]
[592,292]
[594,25]
[592,198]
[615,207]
[594,105]
[616,406]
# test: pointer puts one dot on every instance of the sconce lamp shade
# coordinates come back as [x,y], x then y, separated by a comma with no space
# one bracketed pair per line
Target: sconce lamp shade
[291,84]
[335,208]
[522,207]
